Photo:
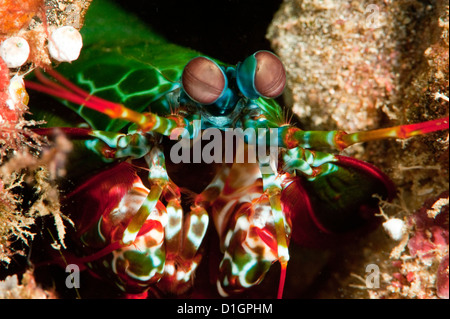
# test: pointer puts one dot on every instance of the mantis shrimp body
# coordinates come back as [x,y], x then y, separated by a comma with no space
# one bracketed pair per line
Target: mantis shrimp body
[145,100]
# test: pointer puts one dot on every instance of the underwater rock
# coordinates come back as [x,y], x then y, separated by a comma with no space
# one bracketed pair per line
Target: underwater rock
[359,65]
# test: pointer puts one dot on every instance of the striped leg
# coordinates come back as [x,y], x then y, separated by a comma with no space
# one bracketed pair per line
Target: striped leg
[141,264]
[308,163]
[247,229]
[272,188]
[110,200]
[184,234]
[142,256]
[293,137]
[183,237]
[158,179]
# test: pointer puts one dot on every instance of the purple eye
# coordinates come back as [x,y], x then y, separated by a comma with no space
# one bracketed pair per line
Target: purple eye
[203,80]
[270,76]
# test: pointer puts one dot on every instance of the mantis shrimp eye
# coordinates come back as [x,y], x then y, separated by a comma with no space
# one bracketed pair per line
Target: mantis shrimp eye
[270,77]
[261,74]
[203,80]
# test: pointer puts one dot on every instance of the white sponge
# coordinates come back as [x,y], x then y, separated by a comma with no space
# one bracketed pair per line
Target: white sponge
[65,44]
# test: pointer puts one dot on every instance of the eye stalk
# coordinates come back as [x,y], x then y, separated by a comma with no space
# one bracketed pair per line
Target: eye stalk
[203,80]
[261,74]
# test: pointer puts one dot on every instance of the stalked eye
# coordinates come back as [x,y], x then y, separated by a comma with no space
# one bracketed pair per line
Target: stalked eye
[203,80]
[261,74]
[270,77]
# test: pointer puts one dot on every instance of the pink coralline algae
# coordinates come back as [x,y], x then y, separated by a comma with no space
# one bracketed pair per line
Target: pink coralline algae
[442,279]
[431,232]
[429,241]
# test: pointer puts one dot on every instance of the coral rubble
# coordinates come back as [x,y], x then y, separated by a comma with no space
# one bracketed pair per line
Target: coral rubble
[359,65]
